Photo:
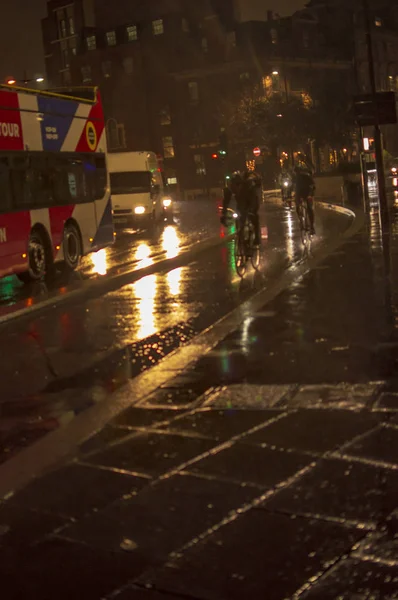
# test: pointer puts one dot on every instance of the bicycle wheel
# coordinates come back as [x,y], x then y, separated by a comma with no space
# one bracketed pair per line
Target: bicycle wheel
[252,252]
[240,254]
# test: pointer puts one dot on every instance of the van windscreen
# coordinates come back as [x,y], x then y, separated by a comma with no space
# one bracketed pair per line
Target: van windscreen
[130,182]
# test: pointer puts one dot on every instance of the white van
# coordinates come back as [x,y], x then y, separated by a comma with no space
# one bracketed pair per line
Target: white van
[137,189]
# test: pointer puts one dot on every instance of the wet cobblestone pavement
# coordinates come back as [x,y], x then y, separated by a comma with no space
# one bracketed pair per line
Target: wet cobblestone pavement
[268,470]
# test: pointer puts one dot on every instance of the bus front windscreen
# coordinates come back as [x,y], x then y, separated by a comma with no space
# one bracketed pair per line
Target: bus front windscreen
[130,182]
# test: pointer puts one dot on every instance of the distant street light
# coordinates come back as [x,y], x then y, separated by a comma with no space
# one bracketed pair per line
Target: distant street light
[25,81]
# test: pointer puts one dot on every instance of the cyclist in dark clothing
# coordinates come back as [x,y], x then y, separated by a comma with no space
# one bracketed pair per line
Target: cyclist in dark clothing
[305,188]
[247,191]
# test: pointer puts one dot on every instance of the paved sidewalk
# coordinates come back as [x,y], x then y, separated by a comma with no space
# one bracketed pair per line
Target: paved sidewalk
[268,471]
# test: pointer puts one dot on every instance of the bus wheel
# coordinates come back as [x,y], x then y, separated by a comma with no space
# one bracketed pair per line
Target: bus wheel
[72,247]
[39,259]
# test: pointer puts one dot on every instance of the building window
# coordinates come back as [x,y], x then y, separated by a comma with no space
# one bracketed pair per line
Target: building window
[158,27]
[274,36]
[71,26]
[111,38]
[172,181]
[64,54]
[86,73]
[244,76]
[306,39]
[91,42]
[185,25]
[193,90]
[199,164]
[128,65]
[72,46]
[107,68]
[378,22]
[132,33]
[205,45]
[165,116]
[168,147]
[116,135]
[62,28]
[232,38]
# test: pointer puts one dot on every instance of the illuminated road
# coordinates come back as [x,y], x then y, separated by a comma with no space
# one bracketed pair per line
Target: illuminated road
[62,360]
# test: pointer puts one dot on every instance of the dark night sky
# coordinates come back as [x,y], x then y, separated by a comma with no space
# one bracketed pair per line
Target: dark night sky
[20,38]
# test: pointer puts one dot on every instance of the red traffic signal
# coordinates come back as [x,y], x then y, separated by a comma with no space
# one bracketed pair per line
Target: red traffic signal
[214,156]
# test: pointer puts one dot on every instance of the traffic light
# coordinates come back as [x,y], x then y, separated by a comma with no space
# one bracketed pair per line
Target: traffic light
[214,156]
[223,144]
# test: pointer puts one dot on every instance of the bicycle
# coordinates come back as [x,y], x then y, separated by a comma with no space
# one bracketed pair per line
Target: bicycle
[245,249]
[304,219]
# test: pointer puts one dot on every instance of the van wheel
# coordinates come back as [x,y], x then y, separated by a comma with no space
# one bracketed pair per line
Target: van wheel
[72,247]
[38,257]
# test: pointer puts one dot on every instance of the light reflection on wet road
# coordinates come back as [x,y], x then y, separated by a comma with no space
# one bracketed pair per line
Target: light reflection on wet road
[59,362]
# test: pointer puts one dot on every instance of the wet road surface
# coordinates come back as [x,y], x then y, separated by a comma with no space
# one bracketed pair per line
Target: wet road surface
[57,364]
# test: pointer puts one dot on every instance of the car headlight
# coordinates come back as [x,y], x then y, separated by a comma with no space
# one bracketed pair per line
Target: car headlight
[166,202]
[139,210]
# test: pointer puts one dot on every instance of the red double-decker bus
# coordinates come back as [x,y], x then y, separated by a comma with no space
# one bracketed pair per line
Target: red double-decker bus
[55,203]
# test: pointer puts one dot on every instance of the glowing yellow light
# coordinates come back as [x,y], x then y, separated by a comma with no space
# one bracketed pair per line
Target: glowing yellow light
[99,259]
[139,210]
[166,202]
[145,291]
[24,255]
[171,242]
[143,255]
[174,281]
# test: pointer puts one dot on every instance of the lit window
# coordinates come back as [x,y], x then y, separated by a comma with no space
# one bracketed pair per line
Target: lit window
[378,22]
[132,33]
[185,25]
[193,89]
[274,36]
[168,147]
[128,65]
[107,68]
[111,38]
[165,116]
[86,73]
[205,45]
[199,164]
[71,26]
[158,27]
[172,180]
[91,42]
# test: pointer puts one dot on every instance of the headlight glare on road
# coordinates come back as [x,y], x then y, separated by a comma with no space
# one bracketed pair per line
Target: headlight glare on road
[166,202]
[139,210]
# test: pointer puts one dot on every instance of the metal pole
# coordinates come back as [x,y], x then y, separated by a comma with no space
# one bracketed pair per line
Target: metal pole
[378,137]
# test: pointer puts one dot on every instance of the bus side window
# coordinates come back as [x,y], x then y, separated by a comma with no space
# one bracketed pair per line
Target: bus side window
[5,195]
[78,182]
[59,180]
[100,178]
[20,183]
[40,185]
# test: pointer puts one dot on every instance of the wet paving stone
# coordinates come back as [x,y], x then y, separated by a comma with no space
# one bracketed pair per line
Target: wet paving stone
[172,396]
[341,489]
[145,417]
[388,400]
[137,593]
[257,556]
[381,445]
[64,570]
[264,467]
[76,490]
[381,546]
[356,580]
[153,453]
[20,526]
[222,424]
[163,517]
[108,435]
[314,430]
